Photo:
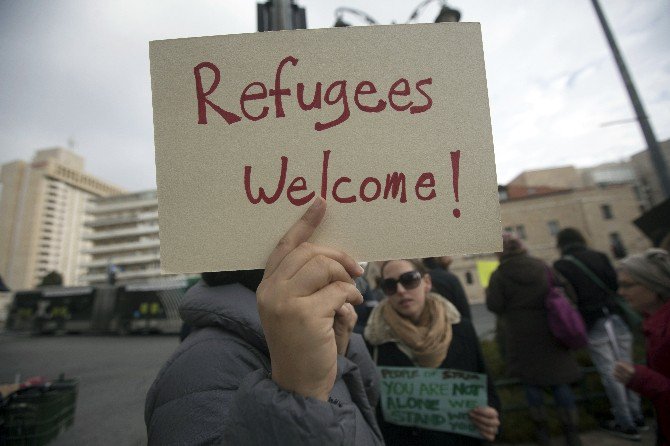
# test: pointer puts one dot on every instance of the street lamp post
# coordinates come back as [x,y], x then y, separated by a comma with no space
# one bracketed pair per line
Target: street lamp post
[276,15]
[446,14]
[655,153]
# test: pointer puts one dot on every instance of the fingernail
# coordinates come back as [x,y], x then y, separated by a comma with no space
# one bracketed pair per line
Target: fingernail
[361,270]
[316,204]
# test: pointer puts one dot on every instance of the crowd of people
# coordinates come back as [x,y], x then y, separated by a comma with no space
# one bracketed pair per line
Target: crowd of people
[290,354]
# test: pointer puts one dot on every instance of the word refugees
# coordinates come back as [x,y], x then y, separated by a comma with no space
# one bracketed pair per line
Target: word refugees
[399,97]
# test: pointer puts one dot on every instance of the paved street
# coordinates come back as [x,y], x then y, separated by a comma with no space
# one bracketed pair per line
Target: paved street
[114,372]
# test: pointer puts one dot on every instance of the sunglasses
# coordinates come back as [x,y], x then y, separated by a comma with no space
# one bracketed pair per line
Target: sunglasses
[408,280]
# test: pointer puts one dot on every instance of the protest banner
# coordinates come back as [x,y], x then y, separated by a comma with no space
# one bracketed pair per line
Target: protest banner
[390,124]
[435,399]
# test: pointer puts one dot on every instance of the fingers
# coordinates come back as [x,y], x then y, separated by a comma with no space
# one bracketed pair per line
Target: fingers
[300,232]
[296,260]
[345,311]
[318,272]
[623,372]
[487,421]
[330,298]
[346,315]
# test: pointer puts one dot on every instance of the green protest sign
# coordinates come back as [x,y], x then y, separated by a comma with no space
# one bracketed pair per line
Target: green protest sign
[436,399]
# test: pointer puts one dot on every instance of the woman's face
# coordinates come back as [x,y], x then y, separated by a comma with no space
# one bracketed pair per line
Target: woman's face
[641,298]
[408,303]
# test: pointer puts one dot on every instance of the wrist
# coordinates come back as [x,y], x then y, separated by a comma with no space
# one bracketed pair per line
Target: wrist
[292,383]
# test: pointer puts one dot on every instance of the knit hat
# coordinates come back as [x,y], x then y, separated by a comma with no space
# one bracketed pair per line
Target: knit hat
[651,269]
[512,244]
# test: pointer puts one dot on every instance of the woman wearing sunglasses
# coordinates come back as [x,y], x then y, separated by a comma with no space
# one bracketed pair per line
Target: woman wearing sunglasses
[413,327]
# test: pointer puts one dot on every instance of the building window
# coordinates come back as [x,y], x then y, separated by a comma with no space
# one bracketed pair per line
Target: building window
[606,211]
[616,245]
[553,227]
[509,229]
[468,277]
[521,232]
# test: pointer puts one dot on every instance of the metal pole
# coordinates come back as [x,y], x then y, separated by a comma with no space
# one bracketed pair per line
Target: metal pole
[282,15]
[655,153]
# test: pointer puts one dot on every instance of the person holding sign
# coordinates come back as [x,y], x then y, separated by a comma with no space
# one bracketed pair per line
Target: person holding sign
[271,361]
[413,327]
[517,291]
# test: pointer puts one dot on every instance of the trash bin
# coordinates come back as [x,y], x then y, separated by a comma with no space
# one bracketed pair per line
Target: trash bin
[35,415]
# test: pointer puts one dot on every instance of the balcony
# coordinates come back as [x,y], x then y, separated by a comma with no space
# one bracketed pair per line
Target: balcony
[120,248]
[123,260]
[137,218]
[123,206]
[120,233]
[124,276]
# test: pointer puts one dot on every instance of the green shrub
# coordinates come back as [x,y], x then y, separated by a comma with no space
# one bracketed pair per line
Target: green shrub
[517,426]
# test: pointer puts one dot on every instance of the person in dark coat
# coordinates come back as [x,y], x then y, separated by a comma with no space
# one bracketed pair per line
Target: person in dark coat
[413,327]
[271,362]
[517,291]
[446,283]
[644,281]
[595,282]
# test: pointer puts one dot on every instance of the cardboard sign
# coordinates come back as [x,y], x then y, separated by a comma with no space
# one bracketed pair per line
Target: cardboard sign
[435,399]
[390,124]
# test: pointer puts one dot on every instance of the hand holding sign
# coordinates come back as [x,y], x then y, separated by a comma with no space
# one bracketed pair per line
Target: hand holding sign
[303,287]
[345,321]
[389,124]
[486,420]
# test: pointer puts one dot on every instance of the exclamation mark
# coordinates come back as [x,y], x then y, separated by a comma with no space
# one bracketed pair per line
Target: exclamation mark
[455,158]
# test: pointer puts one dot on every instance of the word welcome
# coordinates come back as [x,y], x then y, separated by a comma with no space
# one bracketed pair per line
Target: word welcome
[398,97]
[394,186]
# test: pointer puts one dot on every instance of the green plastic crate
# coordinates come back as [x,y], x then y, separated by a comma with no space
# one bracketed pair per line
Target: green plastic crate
[37,415]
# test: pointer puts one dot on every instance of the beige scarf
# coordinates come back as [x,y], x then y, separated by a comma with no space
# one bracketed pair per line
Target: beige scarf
[428,341]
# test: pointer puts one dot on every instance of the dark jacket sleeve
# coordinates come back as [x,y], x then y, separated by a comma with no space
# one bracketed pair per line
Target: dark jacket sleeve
[459,296]
[358,353]
[651,384]
[494,400]
[565,284]
[610,276]
[495,294]
[262,413]
[220,392]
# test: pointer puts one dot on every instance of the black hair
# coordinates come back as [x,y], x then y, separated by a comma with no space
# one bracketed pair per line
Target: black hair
[250,278]
[416,263]
[569,236]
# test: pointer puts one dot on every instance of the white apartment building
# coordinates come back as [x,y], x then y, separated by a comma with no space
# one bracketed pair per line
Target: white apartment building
[42,212]
[123,234]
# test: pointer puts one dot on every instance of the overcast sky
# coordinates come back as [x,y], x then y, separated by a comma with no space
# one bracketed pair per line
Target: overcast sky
[79,71]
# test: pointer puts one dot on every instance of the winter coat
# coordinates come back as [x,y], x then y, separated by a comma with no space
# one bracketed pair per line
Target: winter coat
[517,292]
[447,285]
[592,300]
[216,389]
[464,354]
[653,380]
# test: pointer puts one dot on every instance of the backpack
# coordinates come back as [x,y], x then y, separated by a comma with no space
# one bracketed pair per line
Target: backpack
[565,322]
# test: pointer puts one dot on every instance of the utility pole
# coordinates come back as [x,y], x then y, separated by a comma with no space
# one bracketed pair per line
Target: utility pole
[276,15]
[657,158]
